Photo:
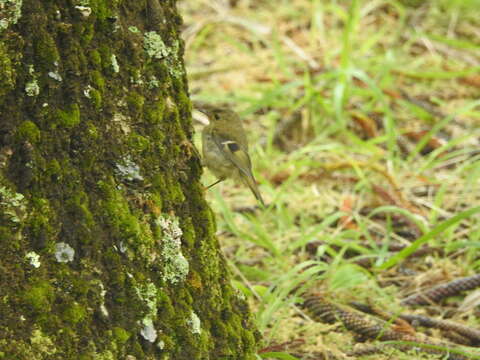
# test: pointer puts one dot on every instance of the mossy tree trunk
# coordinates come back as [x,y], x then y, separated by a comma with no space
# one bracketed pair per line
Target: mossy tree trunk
[107,247]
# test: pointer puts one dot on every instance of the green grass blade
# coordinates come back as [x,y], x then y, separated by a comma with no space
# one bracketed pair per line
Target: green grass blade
[394,260]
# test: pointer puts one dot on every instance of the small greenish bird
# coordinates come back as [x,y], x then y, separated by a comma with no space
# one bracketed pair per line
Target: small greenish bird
[225,147]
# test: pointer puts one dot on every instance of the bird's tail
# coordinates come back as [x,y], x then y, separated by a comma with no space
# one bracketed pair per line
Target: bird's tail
[252,184]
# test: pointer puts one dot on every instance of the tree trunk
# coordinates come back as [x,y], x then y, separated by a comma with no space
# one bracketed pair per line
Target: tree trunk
[107,246]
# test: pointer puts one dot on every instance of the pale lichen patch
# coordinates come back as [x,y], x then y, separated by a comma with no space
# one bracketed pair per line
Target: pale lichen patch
[55,75]
[148,294]
[148,330]
[11,11]
[156,48]
[115,66]
[63,252]
[133,29]
[84,10]
[33,258]
[12,205]
[32,88]
[195,324]
[176,265]
[128,170]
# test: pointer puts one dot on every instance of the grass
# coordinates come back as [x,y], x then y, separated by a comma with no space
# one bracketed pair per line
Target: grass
[378,102]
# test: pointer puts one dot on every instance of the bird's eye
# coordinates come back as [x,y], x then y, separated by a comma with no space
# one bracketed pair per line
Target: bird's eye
[216,116]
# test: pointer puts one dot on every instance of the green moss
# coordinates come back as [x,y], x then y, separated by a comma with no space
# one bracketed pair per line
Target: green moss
[100,8]
[53,169]
[41,343]
[250,337]
[154,112]
[160,70]
[39,225]
[121,335]
[39,296]
[137,351]
[105,355]
[156,203]
[69,117]
[28,131]
[41,230]
[189,235]
[38,347]
[135,102]
[46,53]
[185,107]
[87,34]
[158,185]
[92,131]
[166,309]
[126,226]
[219,328]
[165,343]
[74,313]
[96,98]
[118,278]
[95,58]
[97,80]
[138,142]
[82,287]
[7,75]
[175,191]
[78,208]
[106,56]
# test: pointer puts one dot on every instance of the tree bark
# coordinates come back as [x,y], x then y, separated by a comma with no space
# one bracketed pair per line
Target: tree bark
[107,246]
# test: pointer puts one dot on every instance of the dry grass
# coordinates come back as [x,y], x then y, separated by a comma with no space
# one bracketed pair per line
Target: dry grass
[364,121]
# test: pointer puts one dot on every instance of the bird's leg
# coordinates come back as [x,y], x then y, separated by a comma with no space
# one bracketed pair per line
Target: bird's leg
[215,183]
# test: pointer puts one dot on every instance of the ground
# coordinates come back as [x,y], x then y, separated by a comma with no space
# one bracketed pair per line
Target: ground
[364,124]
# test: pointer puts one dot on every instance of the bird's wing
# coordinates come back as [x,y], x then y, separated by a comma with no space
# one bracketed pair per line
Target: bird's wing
[234,152]
[239,157]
